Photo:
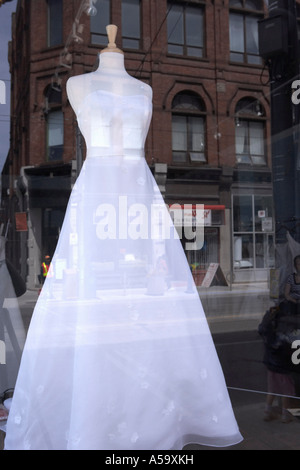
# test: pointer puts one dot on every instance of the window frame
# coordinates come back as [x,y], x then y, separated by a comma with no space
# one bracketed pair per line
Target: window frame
[252,112]
[58,23]
[103,34]
[249,235]
[185,46]
[136,39]
[196,110]
[59,147]
[245,13]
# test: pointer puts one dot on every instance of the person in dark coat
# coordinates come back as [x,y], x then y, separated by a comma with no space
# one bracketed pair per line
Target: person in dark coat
[277,361]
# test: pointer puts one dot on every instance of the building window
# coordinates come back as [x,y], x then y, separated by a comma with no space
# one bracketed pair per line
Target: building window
[250,132]
[185,29]
[55,135]
[99,22]
[253,244]
[55,22]
[188,129]
[131,24]
[243,30]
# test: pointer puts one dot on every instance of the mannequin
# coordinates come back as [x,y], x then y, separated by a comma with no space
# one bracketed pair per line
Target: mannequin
[119,355]
[111,64]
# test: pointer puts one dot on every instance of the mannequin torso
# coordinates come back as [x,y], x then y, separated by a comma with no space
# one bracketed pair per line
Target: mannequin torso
[113,109]
[111,76]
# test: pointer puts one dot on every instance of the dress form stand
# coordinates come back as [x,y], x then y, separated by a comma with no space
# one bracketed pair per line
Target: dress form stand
[111,30]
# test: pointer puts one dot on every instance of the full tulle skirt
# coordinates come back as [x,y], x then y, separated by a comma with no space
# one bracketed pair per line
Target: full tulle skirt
[119,355]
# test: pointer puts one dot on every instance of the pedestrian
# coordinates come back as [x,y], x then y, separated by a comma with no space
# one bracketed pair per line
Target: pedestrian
[45,268]
[276,359]
[292,289]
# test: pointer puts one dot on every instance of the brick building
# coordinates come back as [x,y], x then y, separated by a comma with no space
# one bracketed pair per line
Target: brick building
[209,138]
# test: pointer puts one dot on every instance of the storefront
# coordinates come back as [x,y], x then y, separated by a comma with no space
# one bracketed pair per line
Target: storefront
[198,226]
[252,236]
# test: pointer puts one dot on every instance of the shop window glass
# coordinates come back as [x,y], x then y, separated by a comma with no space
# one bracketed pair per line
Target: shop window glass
[253,241]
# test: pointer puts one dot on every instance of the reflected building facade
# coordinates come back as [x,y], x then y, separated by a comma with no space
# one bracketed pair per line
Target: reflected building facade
[209,140]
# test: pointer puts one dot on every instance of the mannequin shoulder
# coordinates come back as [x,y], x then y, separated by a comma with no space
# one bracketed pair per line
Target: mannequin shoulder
[147,90]
[144,88]
[75,90]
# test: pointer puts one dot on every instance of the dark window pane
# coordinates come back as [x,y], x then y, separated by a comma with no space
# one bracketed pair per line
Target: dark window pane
[235,3]
[251,35]
[55,152]
[185,30]
[194,27]
[236,33]
[131,27]
[235,57]
[179,133]
[196,130]
[173,49]
[55,135]
[99,22]
[131,43]
[195,52]
[242,214]
[254,59]
[55,23]
[179,157]
[175,25]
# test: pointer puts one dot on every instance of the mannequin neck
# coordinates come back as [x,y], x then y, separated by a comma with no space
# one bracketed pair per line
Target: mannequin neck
[109,61]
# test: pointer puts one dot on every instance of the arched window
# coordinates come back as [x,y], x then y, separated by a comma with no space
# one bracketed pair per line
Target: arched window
[188,128]
[54,123]
[250,132]
[243,30]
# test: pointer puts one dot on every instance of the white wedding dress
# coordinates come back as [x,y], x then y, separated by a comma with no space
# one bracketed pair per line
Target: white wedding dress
[119,355]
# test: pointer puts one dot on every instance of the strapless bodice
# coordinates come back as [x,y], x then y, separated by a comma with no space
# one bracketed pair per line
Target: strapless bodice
[114,125]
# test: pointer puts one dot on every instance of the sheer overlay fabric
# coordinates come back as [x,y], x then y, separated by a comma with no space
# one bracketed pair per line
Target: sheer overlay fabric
[119,355]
